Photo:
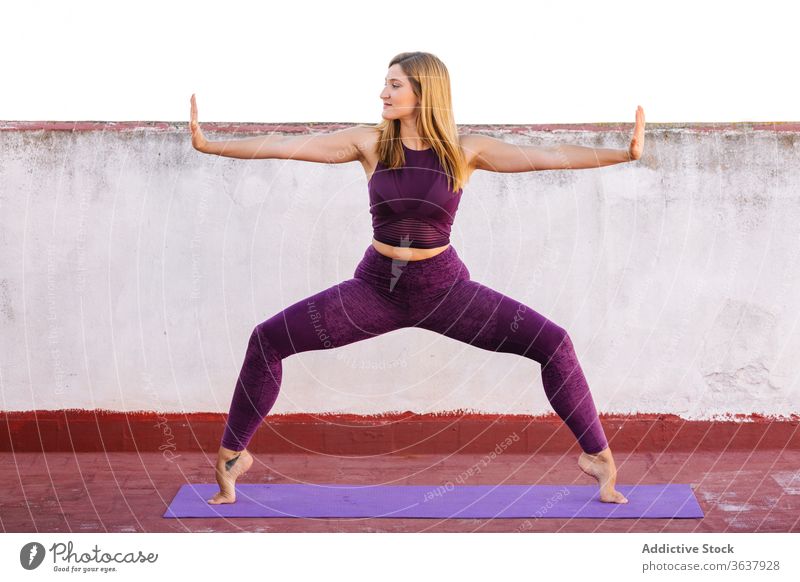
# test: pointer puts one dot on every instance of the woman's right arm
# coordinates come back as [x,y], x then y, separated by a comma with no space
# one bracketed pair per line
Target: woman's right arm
[330,148]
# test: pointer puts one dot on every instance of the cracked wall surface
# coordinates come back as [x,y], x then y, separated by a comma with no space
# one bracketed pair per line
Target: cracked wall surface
[134,269]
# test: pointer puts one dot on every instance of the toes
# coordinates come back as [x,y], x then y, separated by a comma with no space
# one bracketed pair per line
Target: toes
[612,496]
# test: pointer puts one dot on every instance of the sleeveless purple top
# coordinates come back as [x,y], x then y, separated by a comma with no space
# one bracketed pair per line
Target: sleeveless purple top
[412,206]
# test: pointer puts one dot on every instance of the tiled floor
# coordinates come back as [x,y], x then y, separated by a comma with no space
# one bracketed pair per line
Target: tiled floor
[129,492]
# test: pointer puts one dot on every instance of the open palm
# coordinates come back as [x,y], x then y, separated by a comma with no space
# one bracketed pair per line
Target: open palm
[198,139]
[637,141]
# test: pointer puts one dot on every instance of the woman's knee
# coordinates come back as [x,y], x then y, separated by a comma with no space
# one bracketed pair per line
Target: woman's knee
[262,341]
[556,339]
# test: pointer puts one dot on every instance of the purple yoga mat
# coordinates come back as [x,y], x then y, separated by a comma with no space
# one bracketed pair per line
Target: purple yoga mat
[669,500]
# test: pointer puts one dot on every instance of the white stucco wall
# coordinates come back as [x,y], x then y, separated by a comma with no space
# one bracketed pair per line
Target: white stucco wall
[133,269]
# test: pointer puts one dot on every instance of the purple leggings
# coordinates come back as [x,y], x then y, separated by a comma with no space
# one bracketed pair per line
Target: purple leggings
[435,294]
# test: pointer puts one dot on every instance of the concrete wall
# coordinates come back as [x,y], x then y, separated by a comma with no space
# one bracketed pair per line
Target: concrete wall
[133,269]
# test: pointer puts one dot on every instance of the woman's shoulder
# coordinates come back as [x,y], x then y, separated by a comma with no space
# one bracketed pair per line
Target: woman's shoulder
[468,143]
[367,137]
[466,140]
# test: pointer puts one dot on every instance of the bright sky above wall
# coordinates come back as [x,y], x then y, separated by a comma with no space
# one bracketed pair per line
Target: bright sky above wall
[322,61]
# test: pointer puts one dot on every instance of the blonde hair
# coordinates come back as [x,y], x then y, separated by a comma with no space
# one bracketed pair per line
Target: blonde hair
[430,82]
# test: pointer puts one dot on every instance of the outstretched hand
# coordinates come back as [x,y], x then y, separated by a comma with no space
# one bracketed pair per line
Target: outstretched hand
[637,141]
[199,142]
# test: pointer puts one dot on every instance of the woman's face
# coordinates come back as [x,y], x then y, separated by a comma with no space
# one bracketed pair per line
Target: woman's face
[398,94]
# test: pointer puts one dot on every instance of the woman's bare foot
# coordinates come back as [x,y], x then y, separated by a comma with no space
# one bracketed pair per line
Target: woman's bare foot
[230,466]
[601,466]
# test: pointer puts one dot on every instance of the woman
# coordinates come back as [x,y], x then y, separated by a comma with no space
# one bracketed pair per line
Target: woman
[410,276]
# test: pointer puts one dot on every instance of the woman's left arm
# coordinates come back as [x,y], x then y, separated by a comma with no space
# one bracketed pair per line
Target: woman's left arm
[498,156]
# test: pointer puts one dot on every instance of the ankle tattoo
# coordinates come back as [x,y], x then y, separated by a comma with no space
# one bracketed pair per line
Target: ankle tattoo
[229,463]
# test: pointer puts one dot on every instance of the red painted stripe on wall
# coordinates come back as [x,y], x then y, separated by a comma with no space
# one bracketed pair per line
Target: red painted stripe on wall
[402,433]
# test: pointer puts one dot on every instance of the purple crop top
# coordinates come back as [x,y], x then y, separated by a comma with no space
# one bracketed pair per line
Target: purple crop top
[412,206]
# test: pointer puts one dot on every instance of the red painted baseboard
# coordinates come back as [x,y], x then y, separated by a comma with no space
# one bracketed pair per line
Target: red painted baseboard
[402,433]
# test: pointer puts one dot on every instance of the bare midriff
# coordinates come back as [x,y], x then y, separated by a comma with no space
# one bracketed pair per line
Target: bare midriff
[406,253]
